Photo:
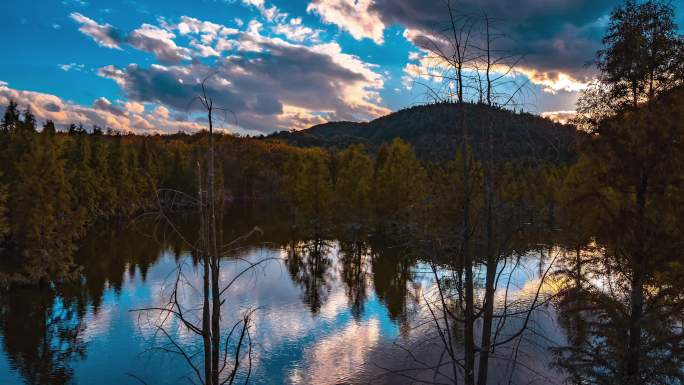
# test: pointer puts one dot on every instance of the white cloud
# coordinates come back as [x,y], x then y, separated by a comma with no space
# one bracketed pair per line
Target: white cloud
[208,30]
[104,34]
[147,38]
[162,112]
[71,67]
[295,31]
[134,107]
[158,41]
[204,50]
[560,116]
[353,16]
[553,81]
[271,14]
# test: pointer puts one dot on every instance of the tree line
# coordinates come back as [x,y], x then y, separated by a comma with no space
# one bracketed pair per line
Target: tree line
[55,184]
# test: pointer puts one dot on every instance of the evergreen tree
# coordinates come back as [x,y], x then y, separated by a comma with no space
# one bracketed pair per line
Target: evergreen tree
[123,193]
[146,173]
[104,190]
[44,217]
[11,118]
[81,173]
[643,52]
[4,224]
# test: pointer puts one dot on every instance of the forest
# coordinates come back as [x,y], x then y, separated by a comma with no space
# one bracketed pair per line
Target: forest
[602,199]
[61,183]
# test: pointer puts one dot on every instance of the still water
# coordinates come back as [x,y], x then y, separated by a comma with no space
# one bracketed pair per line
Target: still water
[327,311]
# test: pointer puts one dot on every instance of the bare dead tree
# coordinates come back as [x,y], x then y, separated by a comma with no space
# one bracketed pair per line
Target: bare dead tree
[497,65]
[224,356]
[465,57]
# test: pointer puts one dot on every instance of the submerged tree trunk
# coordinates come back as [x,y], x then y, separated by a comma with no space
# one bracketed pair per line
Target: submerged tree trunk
[637,287]
[206,260]
[469,328]
[490,250]
[213,247]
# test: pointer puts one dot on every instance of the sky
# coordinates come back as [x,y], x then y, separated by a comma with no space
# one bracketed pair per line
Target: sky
[275,65]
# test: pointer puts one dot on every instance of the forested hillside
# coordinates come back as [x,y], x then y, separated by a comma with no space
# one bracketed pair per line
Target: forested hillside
[435,131]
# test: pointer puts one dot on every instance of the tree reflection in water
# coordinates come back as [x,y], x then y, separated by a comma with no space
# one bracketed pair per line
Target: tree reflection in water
[42,333]
[354,257]
[43,329]
[309,265]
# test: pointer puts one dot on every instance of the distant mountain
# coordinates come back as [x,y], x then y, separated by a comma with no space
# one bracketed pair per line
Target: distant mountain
[435,131]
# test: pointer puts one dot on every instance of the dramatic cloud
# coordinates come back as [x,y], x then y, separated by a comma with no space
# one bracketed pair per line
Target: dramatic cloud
[270,83]
[277,73]
[556,38]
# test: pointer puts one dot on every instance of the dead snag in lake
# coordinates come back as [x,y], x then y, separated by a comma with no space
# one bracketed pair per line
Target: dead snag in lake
[225,356]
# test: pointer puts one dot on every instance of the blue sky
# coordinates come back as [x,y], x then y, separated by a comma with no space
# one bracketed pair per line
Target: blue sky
[134,65]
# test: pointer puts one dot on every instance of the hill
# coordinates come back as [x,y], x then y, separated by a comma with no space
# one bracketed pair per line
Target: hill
[435,132]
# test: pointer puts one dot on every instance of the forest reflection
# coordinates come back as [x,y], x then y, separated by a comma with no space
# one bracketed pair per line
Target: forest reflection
[585,294]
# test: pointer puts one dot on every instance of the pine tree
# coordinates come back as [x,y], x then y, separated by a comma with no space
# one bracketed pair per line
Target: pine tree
[4,224]
[123,194]
[81,173]
[11,118]
[643,52]
[44,218]
[147,173]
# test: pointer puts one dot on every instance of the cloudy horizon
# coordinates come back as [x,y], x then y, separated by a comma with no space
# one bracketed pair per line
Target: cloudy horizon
[278,65]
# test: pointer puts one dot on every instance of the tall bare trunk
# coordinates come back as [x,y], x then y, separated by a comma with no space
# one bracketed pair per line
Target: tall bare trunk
[490,251]
[213,245]
[469,328]
[206,315]
[637,289]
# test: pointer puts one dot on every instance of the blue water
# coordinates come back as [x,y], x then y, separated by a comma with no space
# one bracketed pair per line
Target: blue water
[293,343]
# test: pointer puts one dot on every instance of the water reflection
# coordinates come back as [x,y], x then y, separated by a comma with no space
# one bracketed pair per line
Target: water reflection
[355,261]
[327,298]
[330,309]
[309,265]
[392,276]
[42,333]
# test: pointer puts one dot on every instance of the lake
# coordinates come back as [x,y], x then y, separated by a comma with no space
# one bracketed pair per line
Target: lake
[326,311]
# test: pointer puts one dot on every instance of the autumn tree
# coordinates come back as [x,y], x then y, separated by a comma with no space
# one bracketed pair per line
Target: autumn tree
[353,185]
[399,183]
